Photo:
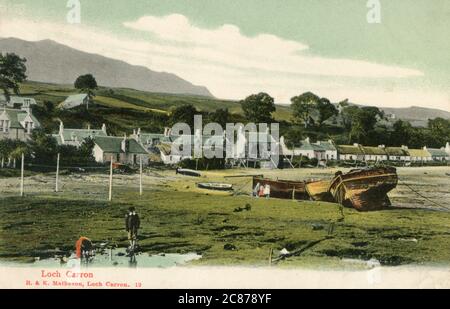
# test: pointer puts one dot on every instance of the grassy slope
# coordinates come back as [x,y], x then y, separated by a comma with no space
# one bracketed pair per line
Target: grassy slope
[138,100]
[197,222]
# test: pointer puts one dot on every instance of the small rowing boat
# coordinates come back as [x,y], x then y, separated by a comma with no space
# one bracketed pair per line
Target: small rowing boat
[187,172]
[215,186]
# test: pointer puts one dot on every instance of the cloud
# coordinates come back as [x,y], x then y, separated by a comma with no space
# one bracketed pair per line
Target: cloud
[233,65]
[228,46]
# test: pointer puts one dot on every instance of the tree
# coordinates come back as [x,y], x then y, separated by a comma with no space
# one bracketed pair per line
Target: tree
[294,136]
[43,147]
[347,114]
[401,134]
[258,108]
[12,72]
[363,121]
[439,130]
[303,105]
[183,114]
[49,107]
[86,149]
[326,110]
[12,149]
[220,116]
[87,83]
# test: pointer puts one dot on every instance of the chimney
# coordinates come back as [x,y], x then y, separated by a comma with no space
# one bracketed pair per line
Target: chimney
[89,127]
[307,140]
[104,128]
[447,148]
[139,131]
[404,147]
[61,127]
[134,132]
[167,132]
[356,144]
[381,146]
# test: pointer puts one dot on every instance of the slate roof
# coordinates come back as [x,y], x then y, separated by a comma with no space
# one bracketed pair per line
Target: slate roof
[437,152]
[146,138]
[75,98]
[326,145]
[16,116]
[309,146]
[114,145]
[17,100]
[81,134]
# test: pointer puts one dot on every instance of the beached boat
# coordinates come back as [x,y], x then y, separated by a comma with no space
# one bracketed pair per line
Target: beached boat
[215,186]
[187,172]
[364,189]
[284,189]
[319,191]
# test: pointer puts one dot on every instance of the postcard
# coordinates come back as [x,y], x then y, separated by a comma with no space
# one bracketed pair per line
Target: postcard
[224,144]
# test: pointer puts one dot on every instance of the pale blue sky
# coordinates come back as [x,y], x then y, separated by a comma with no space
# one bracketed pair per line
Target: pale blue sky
[326,46]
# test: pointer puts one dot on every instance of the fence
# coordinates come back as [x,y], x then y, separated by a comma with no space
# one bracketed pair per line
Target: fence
[84,179]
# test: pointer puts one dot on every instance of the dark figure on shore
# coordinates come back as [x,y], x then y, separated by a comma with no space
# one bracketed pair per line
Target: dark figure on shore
[132,225]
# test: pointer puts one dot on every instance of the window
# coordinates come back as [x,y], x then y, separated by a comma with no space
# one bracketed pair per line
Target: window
[6,126]
[1,125]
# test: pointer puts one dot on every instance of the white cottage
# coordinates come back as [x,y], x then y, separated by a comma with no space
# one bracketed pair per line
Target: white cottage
[17,102]
[74,101]
[122,150]
[75,137]
[17,124]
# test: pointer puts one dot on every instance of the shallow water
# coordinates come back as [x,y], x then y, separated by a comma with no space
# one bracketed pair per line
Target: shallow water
[114,258]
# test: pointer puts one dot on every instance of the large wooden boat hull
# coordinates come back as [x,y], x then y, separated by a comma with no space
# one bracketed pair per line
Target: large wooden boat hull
[364,189]
[320,191]
[284,189]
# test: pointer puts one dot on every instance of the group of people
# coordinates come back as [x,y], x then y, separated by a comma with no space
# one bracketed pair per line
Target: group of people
[261,190]
[85,249]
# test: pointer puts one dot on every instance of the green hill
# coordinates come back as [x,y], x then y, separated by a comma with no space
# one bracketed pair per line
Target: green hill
[124,109]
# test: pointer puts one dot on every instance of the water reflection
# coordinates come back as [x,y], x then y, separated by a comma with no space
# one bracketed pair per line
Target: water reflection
[113,258]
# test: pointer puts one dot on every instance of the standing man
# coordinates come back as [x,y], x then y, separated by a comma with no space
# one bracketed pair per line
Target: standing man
[267,191]
[132,224]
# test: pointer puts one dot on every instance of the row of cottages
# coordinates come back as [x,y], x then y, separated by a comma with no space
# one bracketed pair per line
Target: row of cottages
[75,137]
[321,150]
[381,153]
[161,144]
[438,154]
[17,124]
[121,150]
